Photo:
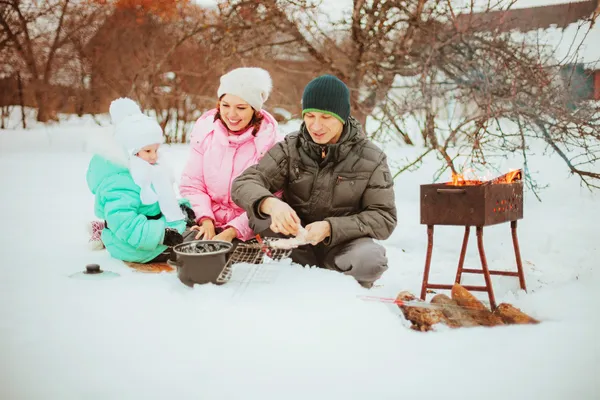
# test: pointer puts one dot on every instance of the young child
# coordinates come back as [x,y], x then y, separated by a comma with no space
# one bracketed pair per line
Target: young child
[133,193]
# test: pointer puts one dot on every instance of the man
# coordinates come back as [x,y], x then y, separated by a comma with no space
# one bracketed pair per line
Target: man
[334,181]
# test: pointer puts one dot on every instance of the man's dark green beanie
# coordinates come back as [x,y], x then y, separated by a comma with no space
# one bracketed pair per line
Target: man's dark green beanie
[329,95]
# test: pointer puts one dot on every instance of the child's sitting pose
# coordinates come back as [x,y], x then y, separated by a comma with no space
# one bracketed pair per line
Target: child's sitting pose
[134,193]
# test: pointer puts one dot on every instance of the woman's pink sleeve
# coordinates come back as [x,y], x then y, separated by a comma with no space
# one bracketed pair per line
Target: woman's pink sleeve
[192,185]
[242,226]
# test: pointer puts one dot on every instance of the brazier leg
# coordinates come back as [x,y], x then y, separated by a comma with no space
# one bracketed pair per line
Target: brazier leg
[427,261]
[513,229]
[484,266]
[463,251]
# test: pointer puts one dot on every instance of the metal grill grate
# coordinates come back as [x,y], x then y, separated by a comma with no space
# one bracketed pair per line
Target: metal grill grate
[252,252]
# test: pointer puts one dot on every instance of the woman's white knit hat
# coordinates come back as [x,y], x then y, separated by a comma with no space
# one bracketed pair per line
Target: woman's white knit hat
[253,85]
[133,129]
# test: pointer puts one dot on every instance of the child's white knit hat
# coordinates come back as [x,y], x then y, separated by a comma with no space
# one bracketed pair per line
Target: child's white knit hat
[133,129]
[251,84]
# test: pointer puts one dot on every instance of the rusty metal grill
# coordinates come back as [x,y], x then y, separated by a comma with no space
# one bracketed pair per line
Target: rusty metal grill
[476,204]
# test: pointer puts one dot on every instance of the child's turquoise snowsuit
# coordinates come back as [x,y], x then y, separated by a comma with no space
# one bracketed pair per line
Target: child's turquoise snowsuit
[130,235]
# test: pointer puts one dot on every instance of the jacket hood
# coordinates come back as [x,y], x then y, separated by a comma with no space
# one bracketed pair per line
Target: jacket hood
[108,158]
[104,144]
[99,169]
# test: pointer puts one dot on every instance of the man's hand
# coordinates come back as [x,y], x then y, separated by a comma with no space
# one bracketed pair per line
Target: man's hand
[283,217]
[227,235]
[317,232]
[206,229]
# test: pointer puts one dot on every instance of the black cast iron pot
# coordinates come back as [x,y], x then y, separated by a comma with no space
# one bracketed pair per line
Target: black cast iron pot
[201,261]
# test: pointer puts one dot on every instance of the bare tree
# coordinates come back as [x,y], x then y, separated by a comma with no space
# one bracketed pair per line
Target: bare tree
[167,62]
[407,62]
[509,92]
[40,32]
[367,50]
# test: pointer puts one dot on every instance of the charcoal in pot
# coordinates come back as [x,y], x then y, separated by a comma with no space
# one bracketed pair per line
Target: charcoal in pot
[201,248]
[211,248]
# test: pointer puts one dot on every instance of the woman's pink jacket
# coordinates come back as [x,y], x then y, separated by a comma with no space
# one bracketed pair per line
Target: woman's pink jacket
[216,159]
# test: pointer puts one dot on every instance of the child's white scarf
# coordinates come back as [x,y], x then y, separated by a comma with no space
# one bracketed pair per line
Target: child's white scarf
[156,185]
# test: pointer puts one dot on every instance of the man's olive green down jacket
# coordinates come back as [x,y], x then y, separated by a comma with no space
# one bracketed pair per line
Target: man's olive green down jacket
[351,186]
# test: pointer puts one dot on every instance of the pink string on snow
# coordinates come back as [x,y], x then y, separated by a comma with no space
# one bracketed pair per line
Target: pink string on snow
[97,227]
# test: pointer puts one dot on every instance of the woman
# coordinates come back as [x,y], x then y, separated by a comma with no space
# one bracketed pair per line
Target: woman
[225,141]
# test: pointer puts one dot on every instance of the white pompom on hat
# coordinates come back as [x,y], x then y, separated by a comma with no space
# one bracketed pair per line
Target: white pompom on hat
[133,129]
[249,83]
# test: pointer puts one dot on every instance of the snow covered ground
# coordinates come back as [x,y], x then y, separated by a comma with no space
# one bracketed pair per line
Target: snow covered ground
[290,332]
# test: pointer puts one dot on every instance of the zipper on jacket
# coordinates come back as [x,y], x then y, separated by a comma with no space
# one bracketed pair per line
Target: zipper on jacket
[341,179]
[323,154]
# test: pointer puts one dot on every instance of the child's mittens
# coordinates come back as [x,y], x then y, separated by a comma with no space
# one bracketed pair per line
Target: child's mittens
[172,237]
[190,215]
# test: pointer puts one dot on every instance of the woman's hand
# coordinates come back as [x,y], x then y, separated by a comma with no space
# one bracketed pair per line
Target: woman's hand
[227,235]
[283,217]
[206,229]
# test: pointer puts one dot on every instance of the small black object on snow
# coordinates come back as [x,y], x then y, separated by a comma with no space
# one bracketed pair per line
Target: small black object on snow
[93,272]
[92,269]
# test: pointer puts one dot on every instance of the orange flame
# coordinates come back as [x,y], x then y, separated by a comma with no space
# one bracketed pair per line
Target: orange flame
[459,180]
[462,180]
[510,177]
